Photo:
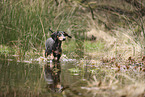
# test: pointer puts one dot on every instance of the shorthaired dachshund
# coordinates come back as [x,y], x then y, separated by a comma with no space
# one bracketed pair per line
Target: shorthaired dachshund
[53,44]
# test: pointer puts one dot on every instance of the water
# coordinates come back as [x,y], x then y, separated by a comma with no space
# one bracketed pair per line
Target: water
[31,79]
[67,78]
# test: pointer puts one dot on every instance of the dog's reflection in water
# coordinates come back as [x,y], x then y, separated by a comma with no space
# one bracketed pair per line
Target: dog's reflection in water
[52,76]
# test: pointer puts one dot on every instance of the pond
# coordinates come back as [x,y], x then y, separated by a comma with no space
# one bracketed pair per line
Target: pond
[49,79]
[38,77]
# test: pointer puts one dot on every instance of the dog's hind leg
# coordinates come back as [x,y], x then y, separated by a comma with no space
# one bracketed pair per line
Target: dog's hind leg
[48,46]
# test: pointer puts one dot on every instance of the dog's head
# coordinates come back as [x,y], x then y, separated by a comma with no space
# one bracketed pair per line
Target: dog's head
[60,35]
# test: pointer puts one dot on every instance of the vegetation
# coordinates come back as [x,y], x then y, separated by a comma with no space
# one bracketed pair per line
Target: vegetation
[108,36]
[25,24]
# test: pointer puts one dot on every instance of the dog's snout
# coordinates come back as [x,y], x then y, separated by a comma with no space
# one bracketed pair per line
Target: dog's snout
[62,38]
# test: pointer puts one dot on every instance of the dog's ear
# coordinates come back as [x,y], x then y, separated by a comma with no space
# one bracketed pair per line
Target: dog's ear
[65,34]
[50,30]
[54,36]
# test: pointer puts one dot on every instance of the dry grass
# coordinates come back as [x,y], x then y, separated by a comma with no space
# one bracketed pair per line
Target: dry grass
[120,42]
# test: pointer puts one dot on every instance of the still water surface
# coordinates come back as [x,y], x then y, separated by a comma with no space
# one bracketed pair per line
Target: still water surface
[49,79]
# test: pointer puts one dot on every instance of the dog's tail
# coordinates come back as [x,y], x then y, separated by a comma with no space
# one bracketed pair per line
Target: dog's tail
[50,30]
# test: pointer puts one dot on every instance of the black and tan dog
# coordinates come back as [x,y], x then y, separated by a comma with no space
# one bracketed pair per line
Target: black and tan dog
[53,44]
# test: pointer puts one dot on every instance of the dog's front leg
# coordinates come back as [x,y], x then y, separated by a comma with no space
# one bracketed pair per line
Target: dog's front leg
[56,55]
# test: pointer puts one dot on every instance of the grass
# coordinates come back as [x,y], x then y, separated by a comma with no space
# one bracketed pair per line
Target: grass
[91,46]
[122,42]
[26,24]
[4,49]
[24,28]
[120,73]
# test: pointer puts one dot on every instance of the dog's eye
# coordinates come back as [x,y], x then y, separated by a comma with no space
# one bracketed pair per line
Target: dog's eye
[59,34]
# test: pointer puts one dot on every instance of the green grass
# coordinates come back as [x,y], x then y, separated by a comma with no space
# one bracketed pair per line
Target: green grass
[26,24]
[91,46]
[5,49]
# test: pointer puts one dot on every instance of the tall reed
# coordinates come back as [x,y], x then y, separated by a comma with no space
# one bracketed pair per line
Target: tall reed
[25,24]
